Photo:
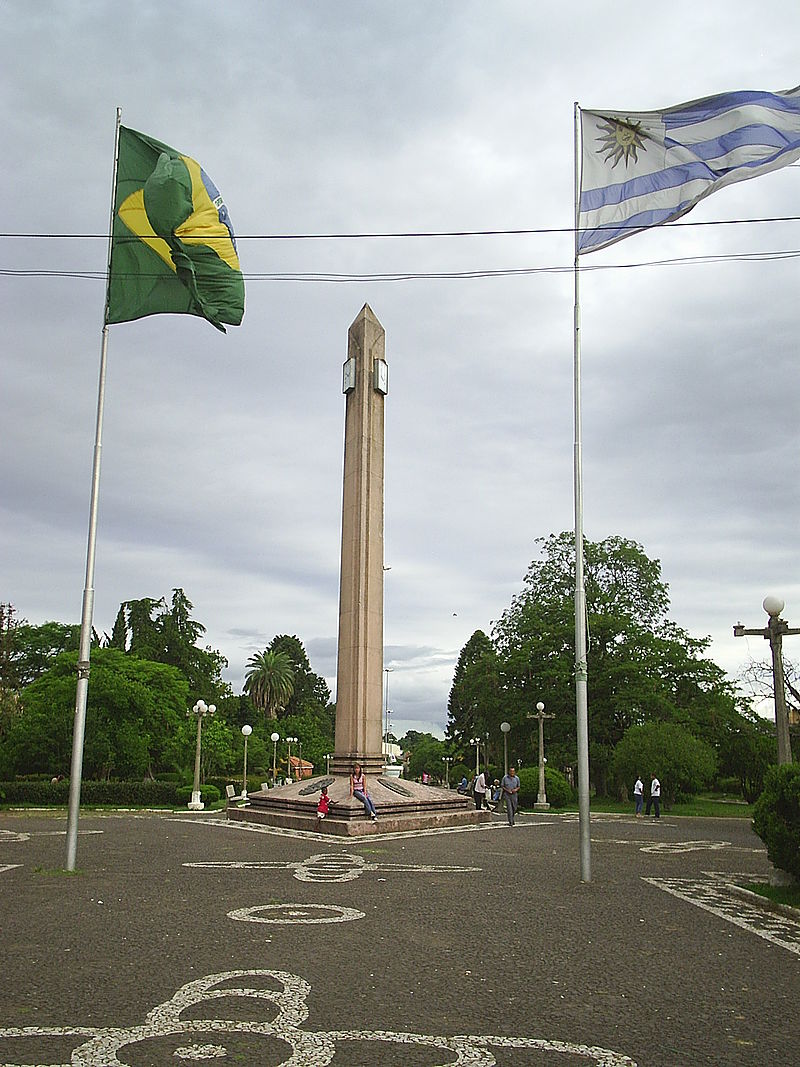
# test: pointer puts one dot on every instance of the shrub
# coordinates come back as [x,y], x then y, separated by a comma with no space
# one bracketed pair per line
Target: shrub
[170,776]
[684,764]
[220,783]
[559,791]
[209,794]
[776,818]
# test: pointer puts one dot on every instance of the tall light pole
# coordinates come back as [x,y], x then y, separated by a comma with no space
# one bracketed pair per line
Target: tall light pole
[289,757]
[328,762]
[387,671]
[774,632]
[476,741]
[541,801]
[447,760]
[505,727]
[274,738]
[246,731]
[200,710]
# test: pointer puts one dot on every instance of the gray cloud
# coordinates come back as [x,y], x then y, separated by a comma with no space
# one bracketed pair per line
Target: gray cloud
[222,456]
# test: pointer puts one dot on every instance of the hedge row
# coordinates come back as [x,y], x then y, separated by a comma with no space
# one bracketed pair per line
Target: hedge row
[135,794]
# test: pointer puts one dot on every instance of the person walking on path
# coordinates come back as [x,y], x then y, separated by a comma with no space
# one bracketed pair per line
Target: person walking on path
[358,789]
[479,791]
[638,794]
[655,796]
[510,787]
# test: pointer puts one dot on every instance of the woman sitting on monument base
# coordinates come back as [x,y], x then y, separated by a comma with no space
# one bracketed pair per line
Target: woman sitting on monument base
[358,789]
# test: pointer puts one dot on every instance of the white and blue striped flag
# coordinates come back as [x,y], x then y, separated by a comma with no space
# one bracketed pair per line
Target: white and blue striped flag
[640,169]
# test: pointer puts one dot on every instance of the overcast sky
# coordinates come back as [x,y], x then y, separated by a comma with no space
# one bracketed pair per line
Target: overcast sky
[222,455]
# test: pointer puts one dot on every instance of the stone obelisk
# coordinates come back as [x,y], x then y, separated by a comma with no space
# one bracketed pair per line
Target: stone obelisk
[359,712]
[402,804]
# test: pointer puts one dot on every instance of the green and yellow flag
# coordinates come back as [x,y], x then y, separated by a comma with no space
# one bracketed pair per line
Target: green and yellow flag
[173,247]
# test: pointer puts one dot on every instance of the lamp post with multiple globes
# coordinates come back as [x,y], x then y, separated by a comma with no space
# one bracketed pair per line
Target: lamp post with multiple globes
[246,731]
[290,741]
[200,710]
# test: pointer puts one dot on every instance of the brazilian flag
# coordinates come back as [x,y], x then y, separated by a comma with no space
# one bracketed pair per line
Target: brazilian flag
[172,248]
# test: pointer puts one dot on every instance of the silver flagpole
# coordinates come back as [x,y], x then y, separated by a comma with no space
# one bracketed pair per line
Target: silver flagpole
[79,725]
[581,670]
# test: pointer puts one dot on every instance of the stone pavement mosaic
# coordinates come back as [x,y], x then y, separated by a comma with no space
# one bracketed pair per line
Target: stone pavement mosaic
[719,897]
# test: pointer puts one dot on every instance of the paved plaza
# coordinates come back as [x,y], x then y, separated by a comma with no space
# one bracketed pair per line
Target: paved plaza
[186,937]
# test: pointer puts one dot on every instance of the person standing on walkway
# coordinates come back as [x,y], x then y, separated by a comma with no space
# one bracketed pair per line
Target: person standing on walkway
[638,794]
[479,791]
[510,787]
[655,796]
[358,789]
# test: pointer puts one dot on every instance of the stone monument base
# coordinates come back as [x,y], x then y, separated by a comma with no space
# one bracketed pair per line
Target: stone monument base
[401,805]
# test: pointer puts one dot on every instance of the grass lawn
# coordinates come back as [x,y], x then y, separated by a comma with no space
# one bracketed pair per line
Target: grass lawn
[706,806]
[781,894]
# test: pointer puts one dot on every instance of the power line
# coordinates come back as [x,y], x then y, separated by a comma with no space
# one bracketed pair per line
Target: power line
[366,236]
[406,276]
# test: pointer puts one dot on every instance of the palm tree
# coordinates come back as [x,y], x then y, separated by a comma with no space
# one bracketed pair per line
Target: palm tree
[269,681]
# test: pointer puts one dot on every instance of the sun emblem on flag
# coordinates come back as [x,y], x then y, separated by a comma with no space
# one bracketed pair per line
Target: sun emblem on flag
[621,140]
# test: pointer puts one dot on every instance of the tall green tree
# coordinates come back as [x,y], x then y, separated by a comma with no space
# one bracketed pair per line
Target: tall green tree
[28,650]
[310,692]
[747,751]
[682,762]
[269,681]
[642,667]
[427,757]
[9,670]
[315,735]
[135,718]
[166,633]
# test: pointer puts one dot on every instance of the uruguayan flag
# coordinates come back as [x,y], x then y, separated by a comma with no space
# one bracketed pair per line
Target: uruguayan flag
[642,169]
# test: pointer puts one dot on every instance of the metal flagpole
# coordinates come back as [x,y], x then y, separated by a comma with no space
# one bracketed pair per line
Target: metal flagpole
[581,670]
[79,725]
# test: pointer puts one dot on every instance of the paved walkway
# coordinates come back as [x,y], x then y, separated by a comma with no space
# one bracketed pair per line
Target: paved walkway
[188,938]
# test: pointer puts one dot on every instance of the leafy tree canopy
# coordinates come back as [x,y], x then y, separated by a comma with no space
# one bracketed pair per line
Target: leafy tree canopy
[682,762]
[309,690]
[426,754]
[269,681]
[166,633]
[642,666]
[26,651]
[134,718]
[317,740]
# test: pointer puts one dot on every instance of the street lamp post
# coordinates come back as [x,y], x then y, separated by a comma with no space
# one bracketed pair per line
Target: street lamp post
[505,727]
[387,671]
[774,632]
[274,738]
[541,800]
[476,741]
[246,731]
[447,760]
[289,757]
[200,710]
